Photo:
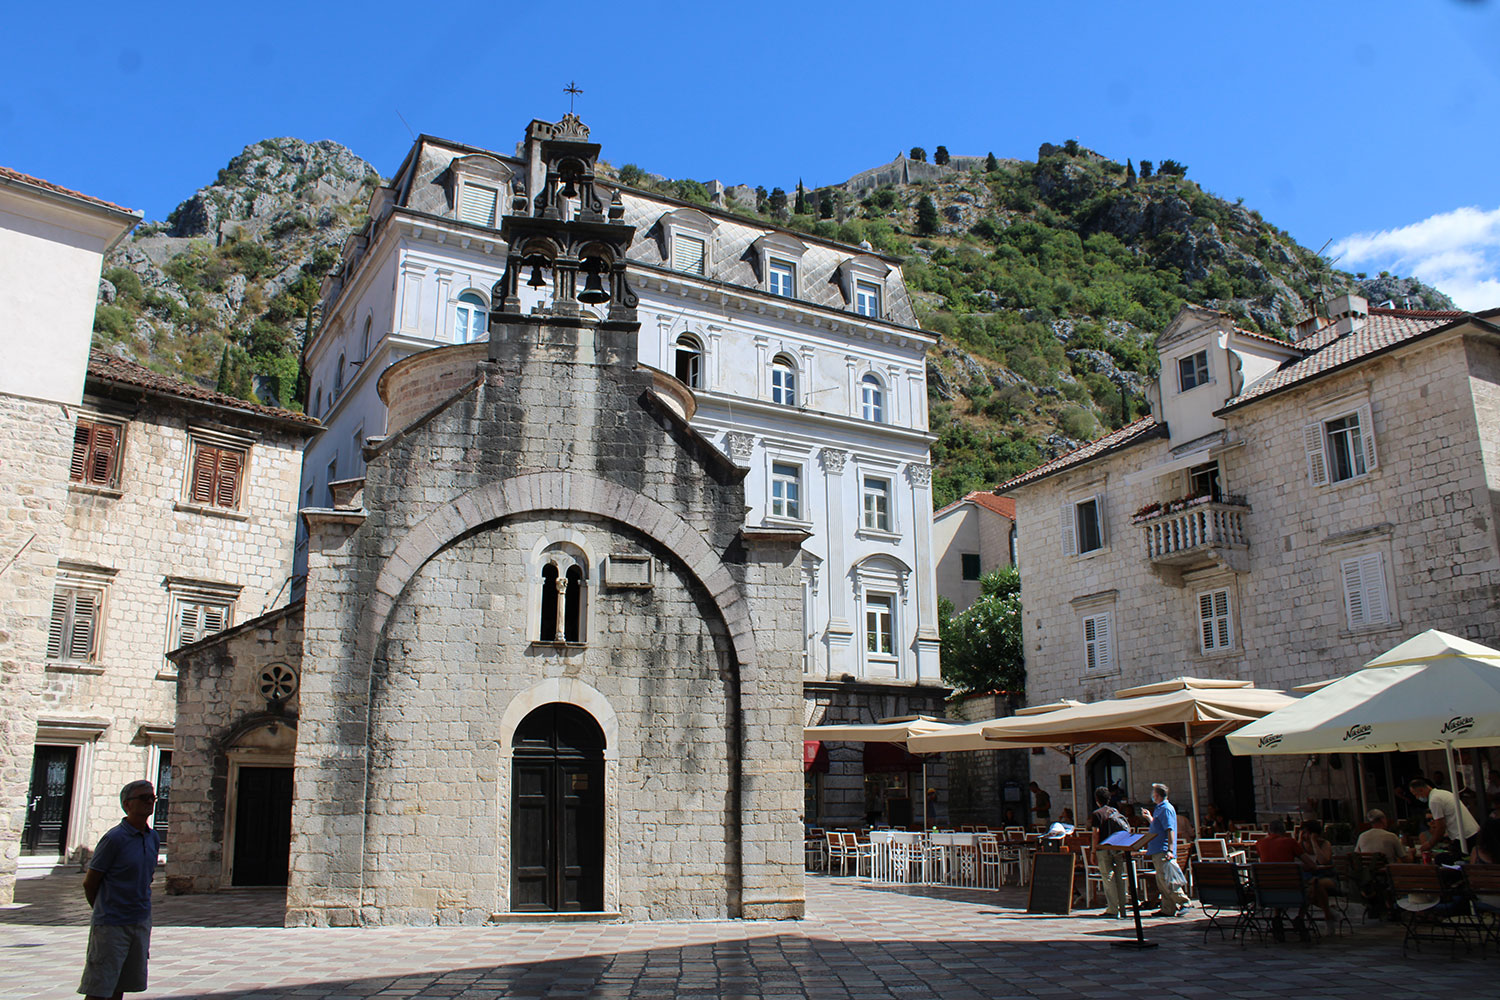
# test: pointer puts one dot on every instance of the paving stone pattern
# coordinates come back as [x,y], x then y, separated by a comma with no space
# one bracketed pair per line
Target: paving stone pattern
[858,941]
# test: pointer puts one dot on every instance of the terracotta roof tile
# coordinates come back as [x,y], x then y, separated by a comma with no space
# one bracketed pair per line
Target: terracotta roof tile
[1330,349]
[6,173]
[118,371]
[1141,430]
[1004,506]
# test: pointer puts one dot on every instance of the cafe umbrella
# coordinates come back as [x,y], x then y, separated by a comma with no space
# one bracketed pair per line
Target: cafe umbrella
[1186,712]
[896,729]
[1434,691]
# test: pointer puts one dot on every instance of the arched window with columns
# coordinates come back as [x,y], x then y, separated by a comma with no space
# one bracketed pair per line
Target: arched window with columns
[562,607]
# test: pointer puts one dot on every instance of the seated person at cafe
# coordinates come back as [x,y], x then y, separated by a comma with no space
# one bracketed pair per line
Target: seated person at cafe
[1063,826]
[1317,866]
[1379,839]
[1213,823]
[1276,846]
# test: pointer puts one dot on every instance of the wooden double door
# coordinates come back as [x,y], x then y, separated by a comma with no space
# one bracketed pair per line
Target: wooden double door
[557,812]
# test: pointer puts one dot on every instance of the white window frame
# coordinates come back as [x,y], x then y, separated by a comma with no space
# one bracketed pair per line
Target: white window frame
[486,196]
[882,490]
[467,314]
[1069,522]
[867,298]
[1098,635]
[1206,376]
[873,601]
[689,343]
[781,277]
[795,508]
[872,401]
[1215,620]
[784,369]
[1317,445]
[692,224]
[1367,591]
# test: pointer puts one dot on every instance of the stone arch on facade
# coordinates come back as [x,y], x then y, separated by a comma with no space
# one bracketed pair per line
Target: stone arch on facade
[262,744]
[558,491]
[1104,762]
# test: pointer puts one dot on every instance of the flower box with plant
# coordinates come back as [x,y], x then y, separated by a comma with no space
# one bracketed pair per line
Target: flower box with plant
[1160,508]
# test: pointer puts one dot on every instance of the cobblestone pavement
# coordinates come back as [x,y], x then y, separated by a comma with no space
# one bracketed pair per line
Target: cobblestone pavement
[858,941]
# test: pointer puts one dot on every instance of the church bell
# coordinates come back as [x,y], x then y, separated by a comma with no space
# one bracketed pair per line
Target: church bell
[593,290]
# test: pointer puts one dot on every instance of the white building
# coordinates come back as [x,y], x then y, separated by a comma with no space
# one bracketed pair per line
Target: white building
[804,356]
[973,535]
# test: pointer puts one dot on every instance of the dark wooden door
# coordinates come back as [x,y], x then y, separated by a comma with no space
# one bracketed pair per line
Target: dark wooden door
[262,825]
[1231,782]
[49,801]
[159,819]
[557,815]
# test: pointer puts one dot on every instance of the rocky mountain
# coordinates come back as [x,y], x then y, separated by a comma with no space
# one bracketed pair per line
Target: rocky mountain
[223,290]
[1047,280]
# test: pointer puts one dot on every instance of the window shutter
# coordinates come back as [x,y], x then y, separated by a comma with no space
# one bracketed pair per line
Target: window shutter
[1104,653]
[1317,463]
[82,436]
[1103,514]
[1367,434]
[227,488]
[58,627]
[1354,598]
[688,254]
[81,636]
[205,463]
[1221,614]
[213,620]
[102,456]
[1090,644]
[1069,529]
[1372,582]
[187,623]
[1206,621]
[476,204]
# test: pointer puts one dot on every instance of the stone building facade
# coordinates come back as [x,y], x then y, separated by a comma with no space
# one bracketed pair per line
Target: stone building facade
[1288,511]
[53,242]
[804,356]
[179,520]
[544,665]
[972,536]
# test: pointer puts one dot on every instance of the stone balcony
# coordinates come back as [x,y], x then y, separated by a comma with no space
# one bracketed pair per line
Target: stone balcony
[1212,533]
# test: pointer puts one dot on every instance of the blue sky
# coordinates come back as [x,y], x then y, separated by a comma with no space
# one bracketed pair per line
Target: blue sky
[1367,123]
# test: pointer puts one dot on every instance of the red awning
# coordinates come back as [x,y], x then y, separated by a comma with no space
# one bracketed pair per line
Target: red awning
[888,758]
[814,756]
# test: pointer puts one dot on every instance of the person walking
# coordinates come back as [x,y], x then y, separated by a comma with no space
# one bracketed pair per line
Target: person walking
[1162,849]
[118,887]
[1106,822]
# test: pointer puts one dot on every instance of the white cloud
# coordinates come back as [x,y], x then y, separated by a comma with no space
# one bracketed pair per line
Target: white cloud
[1457,252]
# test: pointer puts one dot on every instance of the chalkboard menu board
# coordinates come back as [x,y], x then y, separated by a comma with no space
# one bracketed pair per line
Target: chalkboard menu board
[1052,883]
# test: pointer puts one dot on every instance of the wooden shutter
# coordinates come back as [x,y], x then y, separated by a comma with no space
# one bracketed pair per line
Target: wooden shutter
[215,618]
[1206,621]
[227,486]
[81,634]
[188,615]
[101,470]
[1367,436]
[477,203]
[58,628]
[205,465]
[1102,512]
[1317,461]
[688,254]
[1372,582]
[1105,642]
[82,437]
[1221,614]
[1069,529]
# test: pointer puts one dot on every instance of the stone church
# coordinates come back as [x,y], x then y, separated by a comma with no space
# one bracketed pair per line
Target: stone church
[541,665]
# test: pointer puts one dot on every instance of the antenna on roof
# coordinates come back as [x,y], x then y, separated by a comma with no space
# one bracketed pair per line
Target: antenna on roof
[403,122]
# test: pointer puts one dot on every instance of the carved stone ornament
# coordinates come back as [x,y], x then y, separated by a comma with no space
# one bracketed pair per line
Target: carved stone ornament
[741,445]
[571,127]
[920,473]
[834,459]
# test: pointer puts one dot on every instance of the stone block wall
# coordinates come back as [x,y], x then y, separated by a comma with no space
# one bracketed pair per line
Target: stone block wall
[419,657]
[143,535]
[978,779]
[1428,508]
[36,441]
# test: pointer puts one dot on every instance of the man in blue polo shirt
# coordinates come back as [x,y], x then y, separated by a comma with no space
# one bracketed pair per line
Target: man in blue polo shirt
[118,887]
[1162,849]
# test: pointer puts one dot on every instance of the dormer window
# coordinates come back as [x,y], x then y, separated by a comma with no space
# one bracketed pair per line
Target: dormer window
[782,278]
[478,203]
[687,362]
[688,253]
[1192,371]
[478,185]
[687,236]
[867,299]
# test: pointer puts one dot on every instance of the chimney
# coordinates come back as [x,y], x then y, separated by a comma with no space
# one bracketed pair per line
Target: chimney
[1348,313]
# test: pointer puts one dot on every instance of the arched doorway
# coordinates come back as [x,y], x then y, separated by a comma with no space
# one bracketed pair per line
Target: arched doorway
[557,811]
[1107,770]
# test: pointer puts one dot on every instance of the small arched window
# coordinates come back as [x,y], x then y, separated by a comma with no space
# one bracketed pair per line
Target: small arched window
[317,410]
[364,351]
[470,319]
[872,398]
[338,380]
[563,608]
[784,381]
[687,362]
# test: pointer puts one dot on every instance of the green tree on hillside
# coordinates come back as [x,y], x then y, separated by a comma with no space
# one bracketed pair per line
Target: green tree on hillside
[981,645]
[777,202]
[940,156]
[1171,167]
[799,207]
[1145,169]
[991,164]
[927,216]
[919,154]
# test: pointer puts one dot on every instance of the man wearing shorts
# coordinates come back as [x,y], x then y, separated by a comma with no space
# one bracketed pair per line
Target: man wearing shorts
[118,887]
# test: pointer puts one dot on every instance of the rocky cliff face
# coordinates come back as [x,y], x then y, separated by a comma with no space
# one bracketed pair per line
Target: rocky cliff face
[221,291]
